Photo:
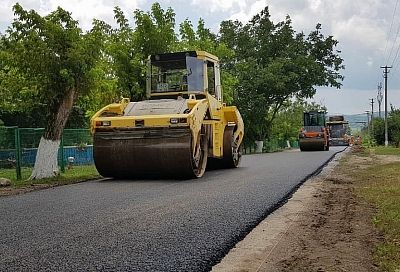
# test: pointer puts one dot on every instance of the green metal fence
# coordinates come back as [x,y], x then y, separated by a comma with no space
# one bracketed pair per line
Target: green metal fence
[18,147]
[272,145]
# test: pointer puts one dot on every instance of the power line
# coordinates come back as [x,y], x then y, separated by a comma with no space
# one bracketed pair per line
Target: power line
[395,67]
[390,31]
[397,53]
[395,40]
[355,114]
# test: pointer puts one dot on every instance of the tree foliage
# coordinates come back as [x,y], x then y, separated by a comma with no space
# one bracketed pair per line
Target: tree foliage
[273,64]
[129,47]
[47,61]
[53,58]
[264,65]
[289,120]
[378,125]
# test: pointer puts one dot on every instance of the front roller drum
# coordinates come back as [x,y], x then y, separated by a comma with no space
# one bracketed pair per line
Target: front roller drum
[152,153]
[312,144]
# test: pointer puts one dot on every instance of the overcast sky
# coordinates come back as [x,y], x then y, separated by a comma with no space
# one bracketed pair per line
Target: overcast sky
[367,31]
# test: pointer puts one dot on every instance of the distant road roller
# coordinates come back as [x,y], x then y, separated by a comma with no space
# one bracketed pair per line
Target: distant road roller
[182,125]
[314,135]
[339,130]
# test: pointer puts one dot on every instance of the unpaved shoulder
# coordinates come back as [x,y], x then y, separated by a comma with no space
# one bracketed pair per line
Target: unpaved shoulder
[323,227]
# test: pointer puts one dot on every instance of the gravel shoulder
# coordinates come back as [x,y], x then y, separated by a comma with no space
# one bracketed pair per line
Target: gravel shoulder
[323,227]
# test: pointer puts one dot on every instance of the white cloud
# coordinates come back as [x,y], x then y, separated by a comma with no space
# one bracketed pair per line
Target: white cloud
[6,13]
[219,5]
[358,30]
[247,12]
[83,11]
[370,61]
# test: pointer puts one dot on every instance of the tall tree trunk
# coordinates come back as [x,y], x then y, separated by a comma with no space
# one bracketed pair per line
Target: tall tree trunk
[46,164]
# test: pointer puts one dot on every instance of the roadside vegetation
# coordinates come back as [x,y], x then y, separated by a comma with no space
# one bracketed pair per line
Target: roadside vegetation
[73,175]
[377,180]
[377,129]
[60,74]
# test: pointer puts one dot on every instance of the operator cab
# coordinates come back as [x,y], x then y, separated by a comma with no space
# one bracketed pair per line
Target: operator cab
[314,120]
[171,75]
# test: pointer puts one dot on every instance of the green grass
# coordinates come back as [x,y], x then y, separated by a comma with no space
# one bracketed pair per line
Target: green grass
[380,184]
[381,150]
[76,174]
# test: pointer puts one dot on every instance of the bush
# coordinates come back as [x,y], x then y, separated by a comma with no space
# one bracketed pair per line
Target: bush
[393,128]
[379,130]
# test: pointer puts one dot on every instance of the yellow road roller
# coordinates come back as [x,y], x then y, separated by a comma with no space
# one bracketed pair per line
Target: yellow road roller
[181,128]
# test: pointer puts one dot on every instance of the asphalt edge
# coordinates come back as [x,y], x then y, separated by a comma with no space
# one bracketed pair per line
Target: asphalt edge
[45,186]
[218,257]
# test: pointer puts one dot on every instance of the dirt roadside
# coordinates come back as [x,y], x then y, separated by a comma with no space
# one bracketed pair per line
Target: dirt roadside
[323,227]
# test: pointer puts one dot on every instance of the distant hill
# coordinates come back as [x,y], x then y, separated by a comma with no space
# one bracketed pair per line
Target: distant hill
[358,121]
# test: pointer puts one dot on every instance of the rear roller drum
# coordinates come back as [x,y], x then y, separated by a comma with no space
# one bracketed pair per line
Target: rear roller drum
[232,152]
[199,158]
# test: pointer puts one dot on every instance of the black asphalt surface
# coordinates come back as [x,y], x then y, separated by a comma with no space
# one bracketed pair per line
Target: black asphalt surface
[155,225]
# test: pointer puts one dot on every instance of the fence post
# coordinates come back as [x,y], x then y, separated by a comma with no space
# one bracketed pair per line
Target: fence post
[18,153]
[62,162]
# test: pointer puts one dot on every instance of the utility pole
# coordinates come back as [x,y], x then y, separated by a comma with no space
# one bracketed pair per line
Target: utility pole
[379,97]
[372,108]
[372,113]
[385,75]
[367,112]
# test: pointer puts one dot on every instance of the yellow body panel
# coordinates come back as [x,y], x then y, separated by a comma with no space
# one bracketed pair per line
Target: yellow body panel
[222,116]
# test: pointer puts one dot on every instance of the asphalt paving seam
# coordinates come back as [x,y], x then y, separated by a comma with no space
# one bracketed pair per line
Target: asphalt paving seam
[226,266]
[316,172]
[284,199]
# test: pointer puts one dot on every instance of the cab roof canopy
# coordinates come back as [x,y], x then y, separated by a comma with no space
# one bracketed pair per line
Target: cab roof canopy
[182,55]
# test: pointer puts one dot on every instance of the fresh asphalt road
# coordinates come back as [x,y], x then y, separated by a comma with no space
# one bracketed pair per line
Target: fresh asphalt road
[157,225]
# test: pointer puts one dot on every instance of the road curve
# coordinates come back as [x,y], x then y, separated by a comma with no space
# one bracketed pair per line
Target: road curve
[153,225]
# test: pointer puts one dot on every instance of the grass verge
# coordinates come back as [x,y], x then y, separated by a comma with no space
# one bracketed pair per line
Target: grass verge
[381,150]
[76,174]
[379,183]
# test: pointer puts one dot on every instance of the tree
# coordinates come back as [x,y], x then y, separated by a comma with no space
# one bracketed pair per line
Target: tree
[202,39]
[128,48]
[273,64]
[53,53]
[379,130]
[289,120]
[394,126]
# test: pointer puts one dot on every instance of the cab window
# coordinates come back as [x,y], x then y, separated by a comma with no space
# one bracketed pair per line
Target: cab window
[211,77]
